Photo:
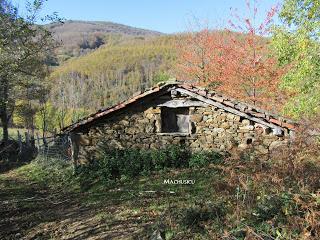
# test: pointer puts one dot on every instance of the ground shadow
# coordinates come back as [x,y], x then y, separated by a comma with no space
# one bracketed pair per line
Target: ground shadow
[29,211]
[6,166]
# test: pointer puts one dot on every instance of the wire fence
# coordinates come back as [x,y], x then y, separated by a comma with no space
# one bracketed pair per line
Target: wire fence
[57,146]
[53,146]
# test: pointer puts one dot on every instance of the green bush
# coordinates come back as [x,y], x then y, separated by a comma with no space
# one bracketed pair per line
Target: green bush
[202,159]
[113,164]
[170,157]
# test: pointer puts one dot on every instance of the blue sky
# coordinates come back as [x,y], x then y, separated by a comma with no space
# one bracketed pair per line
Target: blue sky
[166,16]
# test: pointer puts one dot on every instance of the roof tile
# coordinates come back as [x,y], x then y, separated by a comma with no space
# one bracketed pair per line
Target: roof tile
[230,102]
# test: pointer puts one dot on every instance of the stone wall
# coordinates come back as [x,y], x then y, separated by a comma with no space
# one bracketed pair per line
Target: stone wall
[210,129]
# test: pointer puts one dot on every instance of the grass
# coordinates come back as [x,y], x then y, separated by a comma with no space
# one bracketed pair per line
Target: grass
[53,173]
[141,200]
[13,133]
[236,199]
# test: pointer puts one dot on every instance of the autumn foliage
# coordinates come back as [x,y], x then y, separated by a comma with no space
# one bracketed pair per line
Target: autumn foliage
[236,61]
[202,56]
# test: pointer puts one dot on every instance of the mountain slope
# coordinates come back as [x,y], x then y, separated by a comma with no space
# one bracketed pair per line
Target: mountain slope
[80,37]
[75,28]
[112,73]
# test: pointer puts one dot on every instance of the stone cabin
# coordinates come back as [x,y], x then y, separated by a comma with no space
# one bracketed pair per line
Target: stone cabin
[176,113]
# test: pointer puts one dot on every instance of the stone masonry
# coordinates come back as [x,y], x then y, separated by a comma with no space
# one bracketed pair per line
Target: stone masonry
[211,129]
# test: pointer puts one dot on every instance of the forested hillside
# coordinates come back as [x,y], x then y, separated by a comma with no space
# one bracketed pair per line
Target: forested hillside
[110,74]
[125,65]
[77,38]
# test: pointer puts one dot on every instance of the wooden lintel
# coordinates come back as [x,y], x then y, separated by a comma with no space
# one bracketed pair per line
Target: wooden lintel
[183,103]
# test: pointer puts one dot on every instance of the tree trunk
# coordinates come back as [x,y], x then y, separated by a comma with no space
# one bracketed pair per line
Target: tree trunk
[4,123]
[4,97]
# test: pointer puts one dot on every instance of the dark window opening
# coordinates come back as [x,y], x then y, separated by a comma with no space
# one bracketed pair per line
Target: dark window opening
[175,120]
[268,130]
[249,141]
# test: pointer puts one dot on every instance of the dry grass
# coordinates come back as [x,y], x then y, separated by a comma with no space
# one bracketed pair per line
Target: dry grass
[243,197]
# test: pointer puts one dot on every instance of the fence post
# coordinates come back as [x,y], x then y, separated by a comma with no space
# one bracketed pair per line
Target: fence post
[19,141]
[18,134]
[54,134]
[38,140]
[27,138]
[44,141]
[32,141]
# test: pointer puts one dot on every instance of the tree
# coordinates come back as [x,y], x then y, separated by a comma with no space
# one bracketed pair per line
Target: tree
[297,45]
[200,56]
[24,47]
[250,64]
[236,61]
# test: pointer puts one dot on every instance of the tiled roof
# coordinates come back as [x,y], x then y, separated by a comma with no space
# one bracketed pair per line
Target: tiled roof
[225,101]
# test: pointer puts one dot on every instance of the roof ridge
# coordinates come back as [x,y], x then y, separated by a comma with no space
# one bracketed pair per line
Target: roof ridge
[221,97]
[202,91]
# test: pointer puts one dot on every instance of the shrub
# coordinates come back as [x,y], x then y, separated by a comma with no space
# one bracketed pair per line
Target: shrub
[112,164]
[194,217]
[202,159]
[273,206]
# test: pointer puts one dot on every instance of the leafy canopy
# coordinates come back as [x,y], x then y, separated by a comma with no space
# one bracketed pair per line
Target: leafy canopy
[297,45]
[236,61]
[24,49]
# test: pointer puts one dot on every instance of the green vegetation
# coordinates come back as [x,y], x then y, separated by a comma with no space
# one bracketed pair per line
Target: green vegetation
[13,132]
[115,164]
[24,50]
[129,193]
[49,172]
[297,45]
[112,73]
[102,63]
[234,197]
[82,37]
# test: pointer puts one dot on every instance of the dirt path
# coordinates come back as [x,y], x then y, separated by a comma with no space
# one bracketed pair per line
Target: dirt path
[28,211]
